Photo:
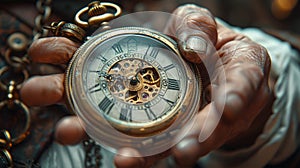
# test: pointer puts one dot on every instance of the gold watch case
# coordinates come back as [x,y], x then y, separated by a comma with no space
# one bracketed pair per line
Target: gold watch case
[130,87]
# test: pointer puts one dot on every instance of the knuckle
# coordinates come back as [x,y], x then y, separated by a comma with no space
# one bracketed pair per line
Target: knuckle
[187,7]
[206,12]
[58,87]
[197,21]
[34,47]
[52,50]
[249,51]
[258,54]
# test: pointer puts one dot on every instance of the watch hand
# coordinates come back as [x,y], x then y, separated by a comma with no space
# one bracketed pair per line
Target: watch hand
[132,98]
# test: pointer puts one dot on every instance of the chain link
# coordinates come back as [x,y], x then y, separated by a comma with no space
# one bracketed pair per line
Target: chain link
[13,75]
[44,9]
[92,154]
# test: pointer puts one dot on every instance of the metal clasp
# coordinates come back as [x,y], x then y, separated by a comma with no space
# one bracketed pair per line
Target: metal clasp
[98,13]
[68,30]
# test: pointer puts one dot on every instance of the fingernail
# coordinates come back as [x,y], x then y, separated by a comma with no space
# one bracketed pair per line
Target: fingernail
[196,44]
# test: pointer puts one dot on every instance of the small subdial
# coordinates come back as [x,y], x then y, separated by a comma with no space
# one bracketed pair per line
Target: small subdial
[133,81]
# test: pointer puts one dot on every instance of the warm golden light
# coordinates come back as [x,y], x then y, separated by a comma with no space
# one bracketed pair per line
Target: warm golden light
[281,9]
[286,5]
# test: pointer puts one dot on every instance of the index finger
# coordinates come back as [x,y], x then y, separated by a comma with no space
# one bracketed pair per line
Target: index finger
[54,50]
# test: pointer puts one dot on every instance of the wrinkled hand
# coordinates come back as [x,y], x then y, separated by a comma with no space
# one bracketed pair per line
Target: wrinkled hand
[246,66]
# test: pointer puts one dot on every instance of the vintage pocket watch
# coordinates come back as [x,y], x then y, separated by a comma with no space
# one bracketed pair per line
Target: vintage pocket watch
[131,82]
[130,87]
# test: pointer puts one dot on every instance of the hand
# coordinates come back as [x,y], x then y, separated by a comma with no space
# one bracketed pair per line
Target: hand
[246,65]
[242,80]
[244,85]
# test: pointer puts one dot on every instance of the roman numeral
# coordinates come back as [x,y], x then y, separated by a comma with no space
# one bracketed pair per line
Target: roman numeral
[173,84]
[126,114]
[168,67]
[168,101]
[150,114]
[102,59]
[106,105]
[153,51]
[94,71]
[95,88]
[117,48]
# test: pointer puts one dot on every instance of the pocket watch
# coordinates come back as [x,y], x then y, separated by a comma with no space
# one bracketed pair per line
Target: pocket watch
[131,84]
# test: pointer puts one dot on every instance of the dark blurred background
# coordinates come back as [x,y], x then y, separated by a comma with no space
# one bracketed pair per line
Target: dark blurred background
[282,15]
[279,14]
[280,18]
[275,14]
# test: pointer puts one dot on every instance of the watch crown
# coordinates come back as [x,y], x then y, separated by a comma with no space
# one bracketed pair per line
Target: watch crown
[95,9]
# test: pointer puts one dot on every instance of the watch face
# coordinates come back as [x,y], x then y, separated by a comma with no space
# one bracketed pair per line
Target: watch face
[132,82]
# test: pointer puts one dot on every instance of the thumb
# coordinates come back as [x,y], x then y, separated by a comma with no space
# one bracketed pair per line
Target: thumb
[196,31]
